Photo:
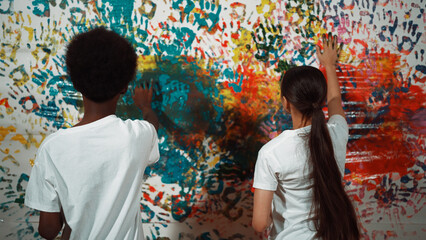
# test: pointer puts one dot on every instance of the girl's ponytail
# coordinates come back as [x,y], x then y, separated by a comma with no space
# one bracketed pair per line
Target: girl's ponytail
[333,214]
[332,211]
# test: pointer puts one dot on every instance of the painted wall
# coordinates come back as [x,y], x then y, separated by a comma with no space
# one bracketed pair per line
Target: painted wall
[216,65]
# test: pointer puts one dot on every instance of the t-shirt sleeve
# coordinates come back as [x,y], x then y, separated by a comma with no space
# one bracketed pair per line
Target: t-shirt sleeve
[40,193]
[155,153]
[339,133]
[264,175]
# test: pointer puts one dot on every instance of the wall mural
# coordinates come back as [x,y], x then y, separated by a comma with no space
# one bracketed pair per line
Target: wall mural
[216,66]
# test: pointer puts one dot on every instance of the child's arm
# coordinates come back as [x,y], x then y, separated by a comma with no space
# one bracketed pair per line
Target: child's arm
[328,58]
[262,209]
[50,224]
[66,233]
[142,98]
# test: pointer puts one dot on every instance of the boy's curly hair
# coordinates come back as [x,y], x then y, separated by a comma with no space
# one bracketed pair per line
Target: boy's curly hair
[100,63]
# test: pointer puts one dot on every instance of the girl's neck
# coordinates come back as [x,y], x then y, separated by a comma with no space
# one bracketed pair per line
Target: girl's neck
[297,119]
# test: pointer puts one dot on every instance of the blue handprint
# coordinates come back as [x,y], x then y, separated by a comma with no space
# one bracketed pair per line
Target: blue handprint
[209,15]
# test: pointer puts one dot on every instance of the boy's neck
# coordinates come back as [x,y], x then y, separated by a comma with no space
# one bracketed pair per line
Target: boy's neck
[94,111]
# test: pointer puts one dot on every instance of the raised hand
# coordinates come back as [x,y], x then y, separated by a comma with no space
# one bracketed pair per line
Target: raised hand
[142,95]
[328,58]
[329,55]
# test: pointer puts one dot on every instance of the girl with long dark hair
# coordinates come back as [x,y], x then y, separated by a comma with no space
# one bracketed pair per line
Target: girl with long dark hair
[298,174]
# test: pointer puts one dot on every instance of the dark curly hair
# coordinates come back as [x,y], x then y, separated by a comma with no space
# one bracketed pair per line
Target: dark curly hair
[100,63]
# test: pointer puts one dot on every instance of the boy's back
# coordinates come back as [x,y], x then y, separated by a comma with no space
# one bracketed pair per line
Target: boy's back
[94,172]
[89,177]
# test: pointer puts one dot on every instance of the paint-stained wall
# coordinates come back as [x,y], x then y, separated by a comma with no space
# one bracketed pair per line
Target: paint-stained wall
[216,66]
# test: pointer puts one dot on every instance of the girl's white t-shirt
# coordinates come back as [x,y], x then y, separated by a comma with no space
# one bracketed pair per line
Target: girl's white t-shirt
[94,172]
[282,166]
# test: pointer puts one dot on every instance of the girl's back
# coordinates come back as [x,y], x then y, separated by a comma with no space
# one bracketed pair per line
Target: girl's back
[298,175]
[284,162]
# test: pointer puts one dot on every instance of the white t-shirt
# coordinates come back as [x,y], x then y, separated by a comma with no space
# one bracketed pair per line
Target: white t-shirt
[95,173]
[282,166]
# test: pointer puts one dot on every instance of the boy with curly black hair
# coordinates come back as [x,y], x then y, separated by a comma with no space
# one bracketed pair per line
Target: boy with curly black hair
[89,177]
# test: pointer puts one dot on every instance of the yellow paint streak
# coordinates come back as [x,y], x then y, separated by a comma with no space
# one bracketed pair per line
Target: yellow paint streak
[20,138]
[35,53]
[14,50]
[19,17]
[5,151]
[32,162]
[146,63]
[2,54]
[30,33]
[30,140]
[5,131]
[29,19]
[11,158]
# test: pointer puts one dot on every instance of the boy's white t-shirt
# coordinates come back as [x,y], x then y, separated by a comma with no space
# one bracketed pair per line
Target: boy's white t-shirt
[282,166]
[94,172]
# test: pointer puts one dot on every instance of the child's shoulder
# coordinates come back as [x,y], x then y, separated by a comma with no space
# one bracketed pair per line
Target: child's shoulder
[139,124]
[52,137]
[278,141]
